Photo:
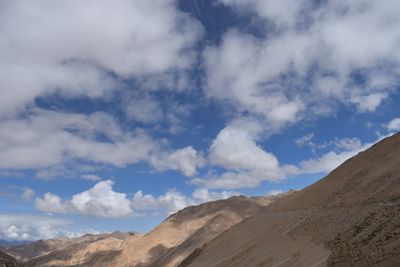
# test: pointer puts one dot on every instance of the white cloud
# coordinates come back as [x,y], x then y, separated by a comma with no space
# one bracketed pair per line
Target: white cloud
[28,194]
[170,202]
[173,200]
[326,162]
[90,177]
[307,65]
[235,148]
[238,72]
[51,203]
[246,163]
[394,125]
[143,109]
[205,195]
[99,201]
[47,139]
[85,49]
[346,143]
[71,47]
[305,139]
[187,160]
[102,201]
[369,102]
[344,149]
[31,227]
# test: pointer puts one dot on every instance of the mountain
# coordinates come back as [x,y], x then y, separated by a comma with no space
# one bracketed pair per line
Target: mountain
[8,261]
[24,252]
[167,245]
[349,218]
[87,250]
[9,243]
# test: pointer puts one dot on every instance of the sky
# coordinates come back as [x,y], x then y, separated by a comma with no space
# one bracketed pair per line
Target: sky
[116,114]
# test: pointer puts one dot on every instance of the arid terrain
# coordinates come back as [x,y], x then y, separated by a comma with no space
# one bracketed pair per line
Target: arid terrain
[349,218]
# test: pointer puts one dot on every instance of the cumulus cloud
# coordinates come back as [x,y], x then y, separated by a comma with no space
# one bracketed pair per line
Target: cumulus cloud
[187,160]
[174,200]
[51,203]
[100,201]
[235,148]
[72,47]
[313,57]
[246,164]
[32,227]
[394,125]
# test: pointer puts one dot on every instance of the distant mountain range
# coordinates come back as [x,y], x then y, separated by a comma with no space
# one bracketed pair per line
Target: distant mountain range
[349,218]
[9,243]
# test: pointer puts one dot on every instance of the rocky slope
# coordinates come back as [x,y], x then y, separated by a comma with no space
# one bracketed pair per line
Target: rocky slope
[167,245]
[31,250]
[349,218]
[8,261]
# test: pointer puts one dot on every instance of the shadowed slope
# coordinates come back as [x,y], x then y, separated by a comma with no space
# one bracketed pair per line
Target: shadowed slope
[370,177]
[349,218]
[176,237]
[8,261]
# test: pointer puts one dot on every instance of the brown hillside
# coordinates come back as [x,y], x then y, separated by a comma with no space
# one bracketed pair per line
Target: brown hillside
[349,218]
[167,245]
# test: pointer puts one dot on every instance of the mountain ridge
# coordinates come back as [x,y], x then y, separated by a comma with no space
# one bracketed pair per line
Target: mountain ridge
[337,216]
[348,218]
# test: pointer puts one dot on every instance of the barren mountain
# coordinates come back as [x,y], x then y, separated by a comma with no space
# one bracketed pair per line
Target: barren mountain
[31,250]
[89,252]
[349,218]
[8,261]
[167,245]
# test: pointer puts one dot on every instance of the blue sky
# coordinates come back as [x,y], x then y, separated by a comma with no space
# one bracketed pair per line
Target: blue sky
[114,115]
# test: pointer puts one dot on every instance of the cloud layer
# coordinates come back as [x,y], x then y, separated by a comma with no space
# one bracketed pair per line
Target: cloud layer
[102,201]
[314,56]
[48,138]
[76,47]
[31,227]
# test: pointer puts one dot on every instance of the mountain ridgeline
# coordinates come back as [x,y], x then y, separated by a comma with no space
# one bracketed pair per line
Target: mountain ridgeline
[349,218]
